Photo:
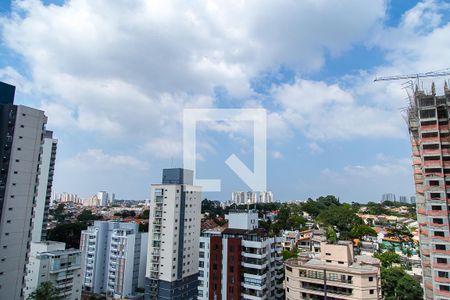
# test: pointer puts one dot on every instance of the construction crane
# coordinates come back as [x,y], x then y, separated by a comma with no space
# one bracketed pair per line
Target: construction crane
[440,73]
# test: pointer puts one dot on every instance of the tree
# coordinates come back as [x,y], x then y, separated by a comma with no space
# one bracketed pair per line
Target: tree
[359,231]
[407,288]
[45,291]
[331,235]
[388,258]
[396,284]
[67,233]
[289,254]
[87,216]
[295,221]
[342,217]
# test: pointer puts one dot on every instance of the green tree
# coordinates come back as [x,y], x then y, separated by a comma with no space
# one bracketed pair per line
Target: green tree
[342,217]
[387,258]
[45,291]
[67,233]
[396,284]
[145,214]
[289,254]
[331,234]
[407,288]
[295,221]
[87,216]
[359,231]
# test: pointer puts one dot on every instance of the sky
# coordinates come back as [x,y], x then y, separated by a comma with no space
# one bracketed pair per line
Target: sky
[114,78]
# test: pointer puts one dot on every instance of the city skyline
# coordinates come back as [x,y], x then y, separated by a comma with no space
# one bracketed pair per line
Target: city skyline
[116,109]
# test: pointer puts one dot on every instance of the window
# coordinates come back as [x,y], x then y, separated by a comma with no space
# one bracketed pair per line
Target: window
[435,195]
[441,260]
[439,233]
[434,182]
[438,221]
[444,287]
[427,113]
[436,207]
[370,278]
[440,247]
[443,274]
[371,292]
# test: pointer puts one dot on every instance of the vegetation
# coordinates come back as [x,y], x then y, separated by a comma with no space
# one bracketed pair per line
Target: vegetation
[59,215]
[87,216]
[125,214]
[388,258]
[68,233]
[45,291]
[360,231]
[396,284]
[342,217]
[289,254]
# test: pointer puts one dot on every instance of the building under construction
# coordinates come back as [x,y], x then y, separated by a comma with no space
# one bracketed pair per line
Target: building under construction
[429,125]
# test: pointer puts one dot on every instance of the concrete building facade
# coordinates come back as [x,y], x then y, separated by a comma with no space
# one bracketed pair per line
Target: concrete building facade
[21,136]
[430,139]
[114,258]
[241,262]
[51,262]
[335,274]
[44,191]
[174,231]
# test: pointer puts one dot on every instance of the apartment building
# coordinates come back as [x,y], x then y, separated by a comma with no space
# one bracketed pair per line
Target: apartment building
[114,257]
[21,135]
[51,262]
[174,231]
[241,262]
[336,274]
[430,139]
[44,191]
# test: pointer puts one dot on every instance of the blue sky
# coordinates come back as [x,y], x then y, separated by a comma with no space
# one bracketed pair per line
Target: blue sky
[114,79]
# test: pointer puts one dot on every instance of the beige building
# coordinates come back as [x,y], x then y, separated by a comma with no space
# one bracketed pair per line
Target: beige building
[335,274]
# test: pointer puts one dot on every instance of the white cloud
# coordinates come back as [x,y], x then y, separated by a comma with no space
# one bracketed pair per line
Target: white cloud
[97,160]
[322,112]
[314,148]
[277,155]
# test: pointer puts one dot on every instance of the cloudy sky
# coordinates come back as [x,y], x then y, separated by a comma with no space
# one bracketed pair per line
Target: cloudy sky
[115,76]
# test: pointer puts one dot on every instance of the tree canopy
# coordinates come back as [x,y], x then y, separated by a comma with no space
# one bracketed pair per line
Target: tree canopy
[396,284]
[45,291]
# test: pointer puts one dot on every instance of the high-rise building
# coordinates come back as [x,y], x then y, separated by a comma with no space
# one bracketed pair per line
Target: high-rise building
[111,199]
[388,197]
[241,262]
[44,191]
[21,136]
[402,199]
[412,199]
[174,232]
[336,274]
[265,197]
[114,256]
[429,127]
[51,262]
[102,197]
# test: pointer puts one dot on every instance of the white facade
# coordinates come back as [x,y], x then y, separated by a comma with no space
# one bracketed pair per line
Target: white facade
[242,219]
[46,170]
[19,196]
[102,197]
[251,197]
[174,230]
[51,262]
[265,197]
[114,258]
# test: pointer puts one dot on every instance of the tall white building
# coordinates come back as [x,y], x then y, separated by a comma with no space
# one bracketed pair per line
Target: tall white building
[114,258]
[265,197]
[241,262]
[21,136]
[44,191]
[251,197]
[51,262]
[174,231]
[103,198]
